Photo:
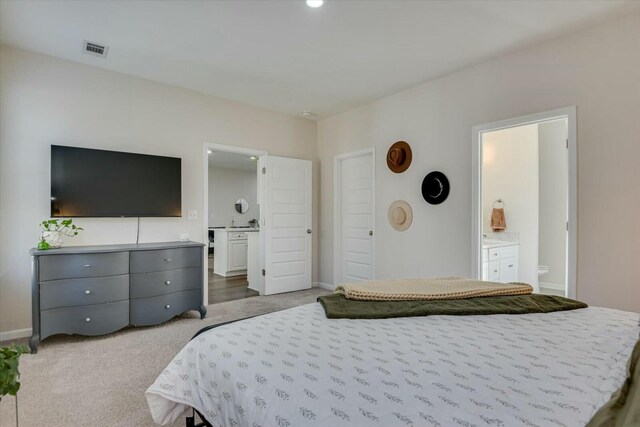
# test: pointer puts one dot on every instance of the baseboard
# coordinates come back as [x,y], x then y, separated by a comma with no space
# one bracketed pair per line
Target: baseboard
[15,334]
[323,286]
[554,286]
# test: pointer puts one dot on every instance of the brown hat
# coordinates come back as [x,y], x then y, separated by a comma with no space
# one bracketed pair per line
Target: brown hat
[399,157]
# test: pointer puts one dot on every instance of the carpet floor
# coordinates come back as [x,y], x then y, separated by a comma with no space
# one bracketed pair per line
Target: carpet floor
[100,381]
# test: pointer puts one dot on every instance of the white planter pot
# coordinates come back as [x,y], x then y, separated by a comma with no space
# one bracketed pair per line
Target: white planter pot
[53,238]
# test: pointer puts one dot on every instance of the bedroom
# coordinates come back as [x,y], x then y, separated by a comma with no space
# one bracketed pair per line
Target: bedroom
[372,74]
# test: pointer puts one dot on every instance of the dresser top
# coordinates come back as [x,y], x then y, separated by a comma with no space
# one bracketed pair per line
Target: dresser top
[66,250]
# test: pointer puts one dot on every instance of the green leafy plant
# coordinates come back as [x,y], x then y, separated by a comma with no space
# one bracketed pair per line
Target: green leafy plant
[9,373]
[66,227]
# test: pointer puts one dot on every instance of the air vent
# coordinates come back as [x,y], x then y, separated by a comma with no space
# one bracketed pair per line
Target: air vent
[95,49]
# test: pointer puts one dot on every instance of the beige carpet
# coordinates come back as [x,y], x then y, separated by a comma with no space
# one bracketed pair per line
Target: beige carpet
[80,381]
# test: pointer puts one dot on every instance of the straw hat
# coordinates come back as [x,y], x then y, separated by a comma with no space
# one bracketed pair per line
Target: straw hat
[399,157]
[400,215]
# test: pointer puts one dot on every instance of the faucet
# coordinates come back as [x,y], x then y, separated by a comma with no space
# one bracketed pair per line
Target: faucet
[233,221]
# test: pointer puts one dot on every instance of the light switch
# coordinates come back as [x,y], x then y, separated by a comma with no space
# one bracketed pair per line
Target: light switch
[192,215]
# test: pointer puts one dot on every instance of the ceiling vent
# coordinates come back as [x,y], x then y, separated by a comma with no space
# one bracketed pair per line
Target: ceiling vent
[95,49]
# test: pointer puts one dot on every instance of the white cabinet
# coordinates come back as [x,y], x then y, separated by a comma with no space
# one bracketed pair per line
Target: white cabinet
[237,259]
[230,252]
[500,263]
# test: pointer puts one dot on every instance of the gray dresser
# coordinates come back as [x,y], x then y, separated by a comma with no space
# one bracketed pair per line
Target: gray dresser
[96,290]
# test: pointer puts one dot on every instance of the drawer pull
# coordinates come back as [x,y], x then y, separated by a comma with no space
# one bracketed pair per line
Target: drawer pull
[168,259]
[87,319]
[168,282]
[495,271]
[510,265]
[87,265]
[87,292]
[167,306]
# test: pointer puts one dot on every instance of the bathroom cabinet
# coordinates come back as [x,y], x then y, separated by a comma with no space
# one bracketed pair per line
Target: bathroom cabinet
[500,262]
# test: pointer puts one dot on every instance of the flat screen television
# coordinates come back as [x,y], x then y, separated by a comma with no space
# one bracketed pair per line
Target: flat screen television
[100,183]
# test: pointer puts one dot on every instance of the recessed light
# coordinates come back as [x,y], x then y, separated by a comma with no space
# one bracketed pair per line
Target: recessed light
[315,3]
[307,114]
[254,158]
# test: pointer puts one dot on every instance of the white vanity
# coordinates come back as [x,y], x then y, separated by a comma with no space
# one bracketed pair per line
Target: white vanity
[231,251]
[499,261]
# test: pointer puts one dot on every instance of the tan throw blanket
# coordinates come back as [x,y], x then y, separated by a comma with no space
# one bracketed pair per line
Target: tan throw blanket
[440,288]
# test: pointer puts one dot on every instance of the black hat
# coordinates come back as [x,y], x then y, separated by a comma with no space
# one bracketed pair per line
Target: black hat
[435,188]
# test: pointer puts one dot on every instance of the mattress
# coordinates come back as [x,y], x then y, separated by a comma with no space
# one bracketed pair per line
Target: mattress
[298,368]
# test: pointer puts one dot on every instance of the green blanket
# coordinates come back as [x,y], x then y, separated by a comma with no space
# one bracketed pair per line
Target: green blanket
[623,410]
[336,306]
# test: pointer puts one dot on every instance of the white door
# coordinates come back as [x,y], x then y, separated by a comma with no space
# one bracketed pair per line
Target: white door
[286,224]
[356,218]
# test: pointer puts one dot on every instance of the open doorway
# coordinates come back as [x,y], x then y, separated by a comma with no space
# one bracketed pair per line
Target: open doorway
[232,223]
[524,201]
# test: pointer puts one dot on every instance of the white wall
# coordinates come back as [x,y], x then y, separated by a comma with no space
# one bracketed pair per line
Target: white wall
[225,187]
[44,100]
[595,70]
[553,200]
[510,173]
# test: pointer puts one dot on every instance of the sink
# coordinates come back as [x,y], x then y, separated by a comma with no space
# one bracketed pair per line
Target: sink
[491,242]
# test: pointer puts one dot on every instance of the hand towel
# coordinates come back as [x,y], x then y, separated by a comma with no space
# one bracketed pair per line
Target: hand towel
[498,221]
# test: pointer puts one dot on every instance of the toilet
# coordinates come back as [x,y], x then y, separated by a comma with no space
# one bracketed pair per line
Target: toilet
[542,270]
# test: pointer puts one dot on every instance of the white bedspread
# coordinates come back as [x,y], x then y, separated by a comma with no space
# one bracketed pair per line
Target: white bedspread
[297,368]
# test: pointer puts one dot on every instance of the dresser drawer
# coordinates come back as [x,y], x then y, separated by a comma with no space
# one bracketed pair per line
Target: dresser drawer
[85,291]
[154,310]
[84,320]
[165,282]
[165,259]
[53,267]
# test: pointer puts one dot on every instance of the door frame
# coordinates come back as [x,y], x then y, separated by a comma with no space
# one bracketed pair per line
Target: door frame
[572,191]
[337,210]
[205,198]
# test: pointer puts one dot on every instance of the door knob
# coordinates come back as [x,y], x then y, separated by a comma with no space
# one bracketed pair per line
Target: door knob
[308,231]
[370,232]
[168,282]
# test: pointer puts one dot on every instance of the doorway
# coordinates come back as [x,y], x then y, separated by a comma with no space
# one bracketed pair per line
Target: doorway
[354,217]
[278,247]
[524,201]
[232,221]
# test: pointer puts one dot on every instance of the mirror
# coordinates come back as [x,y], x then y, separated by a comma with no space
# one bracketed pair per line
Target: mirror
[242,206]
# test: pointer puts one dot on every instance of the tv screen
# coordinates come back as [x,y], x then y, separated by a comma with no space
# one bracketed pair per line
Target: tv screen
[100,183]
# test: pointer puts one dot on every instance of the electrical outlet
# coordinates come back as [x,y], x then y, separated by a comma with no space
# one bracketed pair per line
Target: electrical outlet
[192,215]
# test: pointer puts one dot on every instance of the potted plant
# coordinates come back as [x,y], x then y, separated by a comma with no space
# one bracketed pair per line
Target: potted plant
[9,374]
[54,229]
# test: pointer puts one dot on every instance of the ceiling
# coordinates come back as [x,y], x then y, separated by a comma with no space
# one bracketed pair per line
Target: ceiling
[227,160]
[285,56]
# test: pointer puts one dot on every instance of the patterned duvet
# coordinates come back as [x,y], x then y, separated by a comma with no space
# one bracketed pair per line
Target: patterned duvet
[297,368]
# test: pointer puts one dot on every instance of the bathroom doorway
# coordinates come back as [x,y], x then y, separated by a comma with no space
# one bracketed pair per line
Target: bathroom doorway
[232,214]
[524,194]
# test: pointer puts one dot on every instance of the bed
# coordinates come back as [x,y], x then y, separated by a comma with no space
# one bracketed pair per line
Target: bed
[298,368]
